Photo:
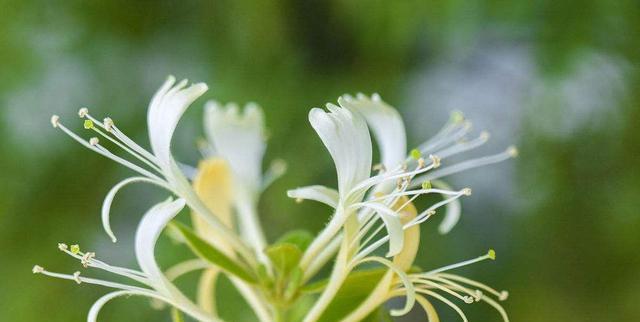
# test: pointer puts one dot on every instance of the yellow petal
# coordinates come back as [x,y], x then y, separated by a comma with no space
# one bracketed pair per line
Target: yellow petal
[405,258]
[213,185]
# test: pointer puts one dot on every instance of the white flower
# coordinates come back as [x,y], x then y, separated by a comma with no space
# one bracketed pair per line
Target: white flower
[370,210]
[165,110]
[156,284]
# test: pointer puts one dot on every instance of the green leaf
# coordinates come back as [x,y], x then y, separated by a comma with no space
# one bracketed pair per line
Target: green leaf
[211,254]
[356,288]
[300,238]
[284,256]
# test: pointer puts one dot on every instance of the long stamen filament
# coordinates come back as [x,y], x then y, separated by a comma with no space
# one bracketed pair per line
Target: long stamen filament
[489,255]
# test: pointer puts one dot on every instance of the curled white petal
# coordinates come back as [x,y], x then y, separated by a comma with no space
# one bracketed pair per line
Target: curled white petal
[97,306]
[149,229]
[386,124]
[165,110]
[318,193]
[346,137]
[406,282]
[452,213]
[393,225]
[108,200]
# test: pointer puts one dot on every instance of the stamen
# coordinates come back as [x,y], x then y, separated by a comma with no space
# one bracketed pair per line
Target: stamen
[435,160]
[464,146]
[503,296]
[490,255]
[94,141]
[88,124]
[63,246]
[470,164]
[55,119]
[108,124]
[415,153]
[75,249]
[467,299]
[426,185]
[76,277]
[82,112]
[37,269]
[86,259]
[499,294]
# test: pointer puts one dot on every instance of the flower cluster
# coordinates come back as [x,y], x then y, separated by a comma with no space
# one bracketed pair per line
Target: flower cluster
[373,210]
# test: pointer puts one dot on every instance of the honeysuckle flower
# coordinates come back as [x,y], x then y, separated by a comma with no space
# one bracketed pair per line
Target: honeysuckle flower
[167,106]
[343,131]
[156,284]
[370,211]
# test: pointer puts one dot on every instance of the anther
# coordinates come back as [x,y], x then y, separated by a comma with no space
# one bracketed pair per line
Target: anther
[468,299]
[76,277]
[55,119]
[63,246]
[512,151]
[86,259]
[478,295]
[83,112]
[299,200]
[484,135]
[88,124]
[37,269]
[491,254]
[421,163]
[431,212]
[94,141]
[75,248]
[108,124]
[435,160]
[426,185]
[504,295]
[466,191]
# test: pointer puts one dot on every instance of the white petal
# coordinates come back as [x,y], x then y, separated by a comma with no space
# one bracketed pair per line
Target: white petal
[97,306]
[346,136]
[452,213]
[149,229]
[393,225]
[409,288]
[321,194]
[165,110]
[108,200]
[386,124]
[239,139]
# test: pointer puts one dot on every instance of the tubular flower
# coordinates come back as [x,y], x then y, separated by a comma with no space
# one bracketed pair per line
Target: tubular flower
[372,209]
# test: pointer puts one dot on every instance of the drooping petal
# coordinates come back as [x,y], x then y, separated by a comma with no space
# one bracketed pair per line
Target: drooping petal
[346,137]
[452,213]
[386,124]
[318,193]
[97,306]
[149,229]
[393,225]
[165,110]
[108,200]
[409,288]
[238,138]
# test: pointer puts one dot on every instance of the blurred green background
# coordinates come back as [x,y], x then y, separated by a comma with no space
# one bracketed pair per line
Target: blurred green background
[557,78]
